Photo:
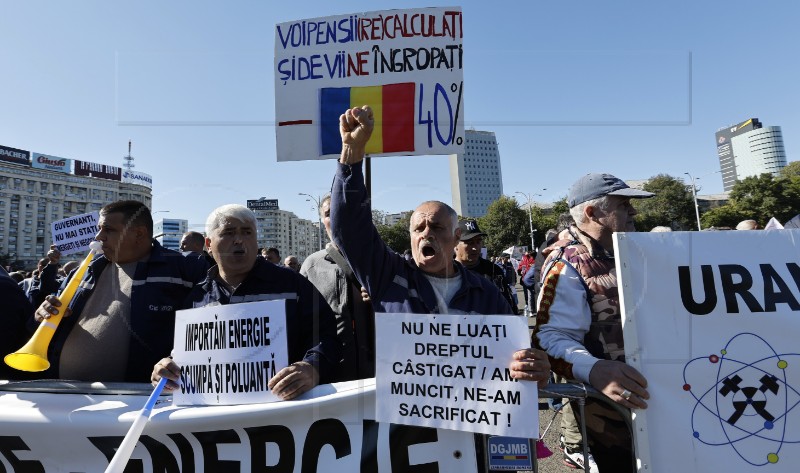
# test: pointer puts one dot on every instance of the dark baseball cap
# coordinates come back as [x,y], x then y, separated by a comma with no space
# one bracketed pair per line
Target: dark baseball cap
[469,229]
[593,186]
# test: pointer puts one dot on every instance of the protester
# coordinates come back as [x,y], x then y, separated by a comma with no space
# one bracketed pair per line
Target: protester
[292,263]
[433,282]
[747,225]
[578,321]
[193,245]
[468,253]
[15,313]
[329,272]
[123,313]
[273,256]
[69,267]
[47,279]
[29,281]
[525,265]
[571,439]
[510,276]
[240,276]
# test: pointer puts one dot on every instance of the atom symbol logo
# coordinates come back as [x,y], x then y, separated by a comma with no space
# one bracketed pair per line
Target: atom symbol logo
[750,405]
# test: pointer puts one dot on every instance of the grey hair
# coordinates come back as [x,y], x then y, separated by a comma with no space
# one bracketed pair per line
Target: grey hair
[450,212]
[326,198]
[578,214]
[218,216]
[661,229]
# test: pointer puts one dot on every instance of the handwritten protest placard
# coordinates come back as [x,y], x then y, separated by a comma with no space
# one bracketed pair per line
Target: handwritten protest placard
[406,64]
[452,372]
[228,353]
[73,234]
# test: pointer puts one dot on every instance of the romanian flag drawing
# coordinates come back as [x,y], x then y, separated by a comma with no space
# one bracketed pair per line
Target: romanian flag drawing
[393,108]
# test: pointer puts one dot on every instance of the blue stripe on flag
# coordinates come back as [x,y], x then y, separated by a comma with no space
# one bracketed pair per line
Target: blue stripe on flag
[333,102]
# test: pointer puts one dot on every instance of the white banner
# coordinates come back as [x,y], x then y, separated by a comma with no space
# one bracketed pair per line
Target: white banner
[451,372]
[136,177]
[228,353]
[51,163]
[74,234]
[711,320]
[328,429]
[405,64]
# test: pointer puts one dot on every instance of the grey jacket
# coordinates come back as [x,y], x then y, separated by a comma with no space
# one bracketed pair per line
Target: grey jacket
[355,319]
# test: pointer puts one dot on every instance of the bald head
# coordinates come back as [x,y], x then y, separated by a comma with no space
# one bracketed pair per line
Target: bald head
[434,234]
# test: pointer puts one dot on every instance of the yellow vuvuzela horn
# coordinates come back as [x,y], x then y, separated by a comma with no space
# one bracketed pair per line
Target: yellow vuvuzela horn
[33,355]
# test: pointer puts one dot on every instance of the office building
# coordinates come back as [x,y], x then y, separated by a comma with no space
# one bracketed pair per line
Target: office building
[392,219]
[169,231]
[749,149]
[475,176]
[37,190]
[285,231]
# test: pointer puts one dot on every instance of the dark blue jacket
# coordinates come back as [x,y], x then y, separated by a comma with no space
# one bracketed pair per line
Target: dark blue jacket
[160,286]
[310,324]
[15,311]
[394,284]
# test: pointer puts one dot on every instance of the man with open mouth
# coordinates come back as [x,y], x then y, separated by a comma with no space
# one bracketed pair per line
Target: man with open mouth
[432,281]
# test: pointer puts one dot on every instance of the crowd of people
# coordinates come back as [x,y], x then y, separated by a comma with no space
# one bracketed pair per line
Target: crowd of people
[120,324]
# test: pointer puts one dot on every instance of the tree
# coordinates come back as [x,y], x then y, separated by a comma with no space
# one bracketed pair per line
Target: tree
[378,217]
[505,224]
[724,216]
[672,205]
[396,236]
[791,169]
[758,198]
[560,206]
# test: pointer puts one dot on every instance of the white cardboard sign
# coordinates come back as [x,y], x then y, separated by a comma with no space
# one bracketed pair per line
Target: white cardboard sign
[228,353]
[451,372]
[406,64]
[74,234]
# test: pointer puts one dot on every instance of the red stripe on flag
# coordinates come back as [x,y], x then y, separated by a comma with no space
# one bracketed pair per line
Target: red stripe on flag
[398,117]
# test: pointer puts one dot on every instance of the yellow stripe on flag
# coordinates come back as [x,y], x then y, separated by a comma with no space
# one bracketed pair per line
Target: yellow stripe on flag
[372,96]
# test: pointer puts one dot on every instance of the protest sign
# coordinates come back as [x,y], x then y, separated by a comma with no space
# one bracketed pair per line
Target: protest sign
[73,234]
[405,64]
[711,320]
[451,372]
[228,353]
[330,429]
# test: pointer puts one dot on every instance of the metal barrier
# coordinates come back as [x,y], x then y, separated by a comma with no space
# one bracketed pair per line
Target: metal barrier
[579,392]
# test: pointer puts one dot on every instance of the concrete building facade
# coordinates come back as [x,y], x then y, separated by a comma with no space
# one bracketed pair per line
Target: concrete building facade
[288,233]
[169,231]
[31,199]
[749,149]
[476,179]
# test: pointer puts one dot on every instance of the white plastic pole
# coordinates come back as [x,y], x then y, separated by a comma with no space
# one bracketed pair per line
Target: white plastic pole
[125,449]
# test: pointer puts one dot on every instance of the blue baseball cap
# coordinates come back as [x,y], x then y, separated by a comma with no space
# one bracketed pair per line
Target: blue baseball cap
[595,185]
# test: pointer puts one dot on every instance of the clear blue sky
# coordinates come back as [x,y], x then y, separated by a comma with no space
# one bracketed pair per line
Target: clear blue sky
[628,87]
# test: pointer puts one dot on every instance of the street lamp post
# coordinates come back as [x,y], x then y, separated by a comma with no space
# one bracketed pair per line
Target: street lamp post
[529,199]
[318,202]
[696,206]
